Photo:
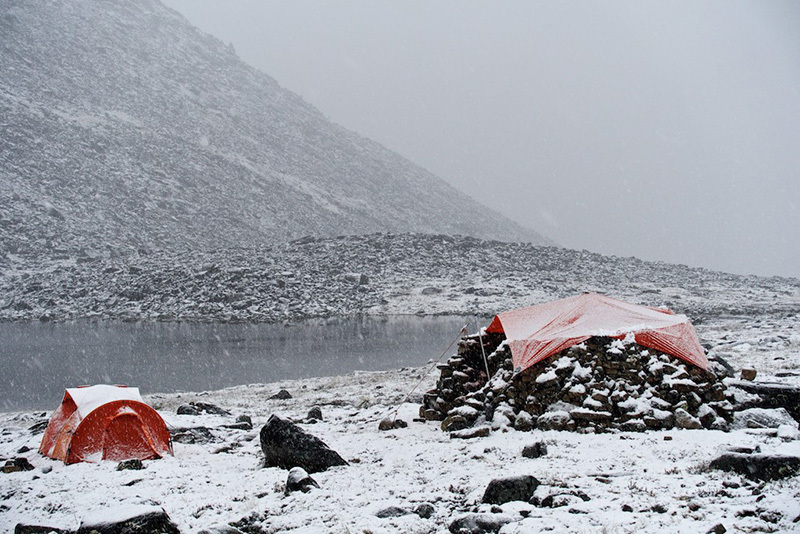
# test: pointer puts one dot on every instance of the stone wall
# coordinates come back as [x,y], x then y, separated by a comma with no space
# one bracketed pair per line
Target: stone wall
[598,385]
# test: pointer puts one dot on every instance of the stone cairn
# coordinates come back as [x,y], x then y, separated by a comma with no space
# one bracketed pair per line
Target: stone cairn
[599,385]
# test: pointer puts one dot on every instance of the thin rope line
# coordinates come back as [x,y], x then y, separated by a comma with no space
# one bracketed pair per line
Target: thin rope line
[461,332]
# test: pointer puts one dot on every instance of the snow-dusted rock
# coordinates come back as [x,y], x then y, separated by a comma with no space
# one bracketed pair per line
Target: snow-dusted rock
[286,445]
[128,519]
[299,480]
[507,489]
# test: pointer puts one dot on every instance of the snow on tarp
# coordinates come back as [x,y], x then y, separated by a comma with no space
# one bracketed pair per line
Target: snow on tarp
[537,332]
[88,399]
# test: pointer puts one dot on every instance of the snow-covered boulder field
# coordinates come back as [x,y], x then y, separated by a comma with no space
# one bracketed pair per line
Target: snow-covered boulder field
[412,479]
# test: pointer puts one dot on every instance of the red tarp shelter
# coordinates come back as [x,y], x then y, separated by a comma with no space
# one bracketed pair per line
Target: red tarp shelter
[538,332]
[105,423]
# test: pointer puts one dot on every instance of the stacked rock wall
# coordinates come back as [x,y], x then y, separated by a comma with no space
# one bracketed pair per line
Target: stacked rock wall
[598,385]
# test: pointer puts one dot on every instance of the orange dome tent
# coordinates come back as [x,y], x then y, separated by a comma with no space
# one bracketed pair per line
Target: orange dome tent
[105,423]
[538,332]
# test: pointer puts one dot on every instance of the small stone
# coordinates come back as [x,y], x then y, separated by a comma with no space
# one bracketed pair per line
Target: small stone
[534,450]
[282,395]
[719,528]
[514,488]
[186,409]
[315,413]
[16,465]
[667,438]
[479,523]
[684,419]
[748,373]
[627,508]
[386,424]
[299,480]
[391,511]
[399,423]
[133,464]
[424,510]
[468,433]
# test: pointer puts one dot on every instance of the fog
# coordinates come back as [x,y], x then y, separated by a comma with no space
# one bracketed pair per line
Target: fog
[667,131]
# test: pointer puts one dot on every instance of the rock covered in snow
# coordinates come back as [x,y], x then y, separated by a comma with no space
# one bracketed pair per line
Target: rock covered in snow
[128,519]
[597,385]
[299,480]
[758,466]
[513,488]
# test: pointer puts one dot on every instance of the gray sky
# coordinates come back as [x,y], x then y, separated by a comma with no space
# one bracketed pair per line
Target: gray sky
[663,130]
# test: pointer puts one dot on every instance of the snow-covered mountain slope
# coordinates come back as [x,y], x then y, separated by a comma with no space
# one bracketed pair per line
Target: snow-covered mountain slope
[124,127]
[378,274]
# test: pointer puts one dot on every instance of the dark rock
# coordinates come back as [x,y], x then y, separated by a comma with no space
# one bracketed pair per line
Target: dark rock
[773,396]
[719,528]
[748,373]
[762,418]
[198,434]
[186,409]
[659,508]
[282,395]
[424,510]
[386,424]
[479,523]
[286,445]
[758,466]
[399,423]
[513,488]
[299,480]
[391,511]
[468,433]
[627,508]
[38,529]
[16,465]
[431,290]
[224,529]
[454,422]
[245,419]
[133,464]
[205,407]
[315,413]
[150,521]
[23,449]
[563,498]
[39,427]
[534,450]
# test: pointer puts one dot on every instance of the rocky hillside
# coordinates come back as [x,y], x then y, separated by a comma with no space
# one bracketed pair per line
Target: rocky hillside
[123,127]
[374,274]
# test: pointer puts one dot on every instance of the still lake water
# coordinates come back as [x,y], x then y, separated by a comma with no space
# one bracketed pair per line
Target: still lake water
[39,360]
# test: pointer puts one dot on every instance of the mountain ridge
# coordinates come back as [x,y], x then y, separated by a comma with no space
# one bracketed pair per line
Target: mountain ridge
[125,127]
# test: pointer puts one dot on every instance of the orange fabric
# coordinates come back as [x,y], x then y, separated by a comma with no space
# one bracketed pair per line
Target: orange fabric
[116,430]
[537,332]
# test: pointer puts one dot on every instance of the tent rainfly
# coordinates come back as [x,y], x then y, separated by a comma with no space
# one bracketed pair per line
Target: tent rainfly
[538,332]
[105,423]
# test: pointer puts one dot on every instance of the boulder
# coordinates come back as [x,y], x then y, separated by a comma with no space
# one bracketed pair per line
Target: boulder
[282,395]
[758,466]
[134,464]
[299,480]
[534,450]
[468,433]
[479,523]
[773,395]
[513,488]
[127,519]
[198,434]
[16,465]
[21,528]
[391,511]
[286,445]
[424,510]
[762,418]
[315,413]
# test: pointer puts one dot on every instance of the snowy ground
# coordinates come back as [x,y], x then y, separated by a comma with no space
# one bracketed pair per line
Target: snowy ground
[661,477]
